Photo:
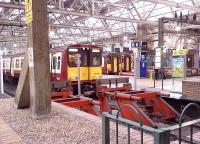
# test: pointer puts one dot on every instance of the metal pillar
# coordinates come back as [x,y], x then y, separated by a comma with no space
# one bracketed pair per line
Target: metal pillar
[1,73]
[162,137]
[79,73]
[161,44]
[105,130]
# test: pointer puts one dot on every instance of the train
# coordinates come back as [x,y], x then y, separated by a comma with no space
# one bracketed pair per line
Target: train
[114,63]
[63,65]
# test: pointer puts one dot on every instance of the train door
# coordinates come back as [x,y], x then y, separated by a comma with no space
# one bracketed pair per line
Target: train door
[84,70]
[115,64]
[108,64]
[122,63]
[55,66]
[95,70]
[12,67]
[190,61]
[127,63]
[72,70]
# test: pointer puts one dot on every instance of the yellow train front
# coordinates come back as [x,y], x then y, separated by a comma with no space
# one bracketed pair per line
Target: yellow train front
[90,68]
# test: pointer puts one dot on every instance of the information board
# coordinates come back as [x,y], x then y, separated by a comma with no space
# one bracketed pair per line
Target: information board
[158,58]
[178,66]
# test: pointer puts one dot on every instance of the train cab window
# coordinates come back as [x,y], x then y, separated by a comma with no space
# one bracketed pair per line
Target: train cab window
[58,66]
[95,57]
[84,59]
[72,60]
[54,62]
[17,63]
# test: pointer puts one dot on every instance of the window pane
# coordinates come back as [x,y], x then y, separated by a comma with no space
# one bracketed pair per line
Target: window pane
[84,60]
[96,59]
[54,62]
[17,64]
[58,63]
[72,60]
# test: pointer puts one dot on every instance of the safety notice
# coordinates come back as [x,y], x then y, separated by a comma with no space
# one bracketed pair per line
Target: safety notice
[30,57]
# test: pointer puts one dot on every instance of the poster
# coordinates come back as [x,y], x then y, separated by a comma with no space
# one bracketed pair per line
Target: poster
[28,11]
[178,66]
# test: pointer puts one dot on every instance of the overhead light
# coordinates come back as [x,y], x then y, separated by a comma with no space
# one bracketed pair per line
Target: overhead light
[125,37]
[178,28]
[52,33]
[15,45]
[93,43]
[169,40]
[189,41]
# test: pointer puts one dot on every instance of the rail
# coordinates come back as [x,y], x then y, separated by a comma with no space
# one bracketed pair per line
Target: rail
[160,135]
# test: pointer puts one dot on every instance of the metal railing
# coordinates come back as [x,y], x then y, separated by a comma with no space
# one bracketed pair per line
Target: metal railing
[160,135]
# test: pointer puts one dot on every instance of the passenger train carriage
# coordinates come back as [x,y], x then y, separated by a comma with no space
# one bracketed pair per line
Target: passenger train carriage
[63,65]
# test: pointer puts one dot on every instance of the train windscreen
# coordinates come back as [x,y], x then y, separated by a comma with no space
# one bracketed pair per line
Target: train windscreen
[95,57]
[72,58]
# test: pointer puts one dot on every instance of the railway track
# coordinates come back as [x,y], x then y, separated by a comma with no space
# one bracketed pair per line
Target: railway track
[10,89]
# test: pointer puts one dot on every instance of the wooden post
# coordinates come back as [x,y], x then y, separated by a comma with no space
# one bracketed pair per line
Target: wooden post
[38,59]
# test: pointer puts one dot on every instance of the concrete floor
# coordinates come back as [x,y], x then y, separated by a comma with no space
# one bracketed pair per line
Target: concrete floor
[172,86]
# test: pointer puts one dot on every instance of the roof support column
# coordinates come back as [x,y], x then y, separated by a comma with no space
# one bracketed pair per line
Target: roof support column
[160,32]
[38,63]
[40,70]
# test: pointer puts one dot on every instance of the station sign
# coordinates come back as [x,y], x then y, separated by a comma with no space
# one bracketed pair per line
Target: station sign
[180,52]
[28,11]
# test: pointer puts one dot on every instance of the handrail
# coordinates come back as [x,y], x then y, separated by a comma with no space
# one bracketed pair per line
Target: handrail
[181,119]
[139,119]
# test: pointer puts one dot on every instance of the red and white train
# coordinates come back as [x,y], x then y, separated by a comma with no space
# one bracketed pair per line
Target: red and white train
[63,64]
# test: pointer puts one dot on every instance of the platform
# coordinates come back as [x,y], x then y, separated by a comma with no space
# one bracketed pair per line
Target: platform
[64,126]
[8,135]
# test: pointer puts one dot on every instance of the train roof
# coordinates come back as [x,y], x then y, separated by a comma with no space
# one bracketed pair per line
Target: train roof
[13,55]
[61,49]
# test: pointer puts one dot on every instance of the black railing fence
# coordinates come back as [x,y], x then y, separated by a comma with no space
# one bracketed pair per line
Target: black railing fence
[160,135]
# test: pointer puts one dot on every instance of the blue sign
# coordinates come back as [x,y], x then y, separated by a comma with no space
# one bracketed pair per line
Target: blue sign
[143,64]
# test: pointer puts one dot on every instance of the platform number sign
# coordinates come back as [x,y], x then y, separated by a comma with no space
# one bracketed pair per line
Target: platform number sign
[30,57]
[28,11]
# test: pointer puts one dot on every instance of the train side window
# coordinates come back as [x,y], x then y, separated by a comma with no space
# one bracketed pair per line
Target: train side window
[109,59]
[54,62]
[4,64]
[58,66]
[12,64]
[17,63]
[22,61]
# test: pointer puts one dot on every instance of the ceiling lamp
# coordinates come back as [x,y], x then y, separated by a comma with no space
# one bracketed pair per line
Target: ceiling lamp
[15,45]
[52,33]
[178,28]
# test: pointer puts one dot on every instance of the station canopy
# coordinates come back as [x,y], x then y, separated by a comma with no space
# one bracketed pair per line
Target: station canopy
[87,21]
